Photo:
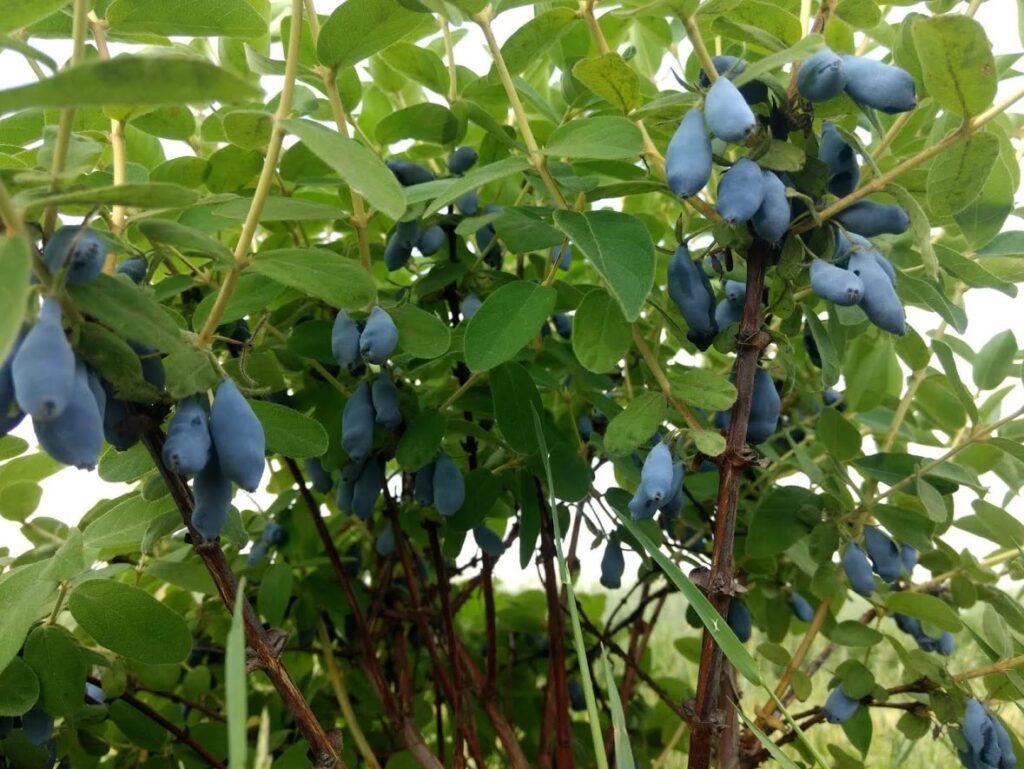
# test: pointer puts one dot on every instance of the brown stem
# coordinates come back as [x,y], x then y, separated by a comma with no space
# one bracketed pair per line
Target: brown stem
[751,340]
[506,734]
[256,636]
[557,671]
[410,736]
[492,641]
[179,734]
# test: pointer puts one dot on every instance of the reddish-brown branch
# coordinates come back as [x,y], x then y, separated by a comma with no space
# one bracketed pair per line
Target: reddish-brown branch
[506,735]
[557,673]
[256,636]
[181,735]
[750,340]
[492,641]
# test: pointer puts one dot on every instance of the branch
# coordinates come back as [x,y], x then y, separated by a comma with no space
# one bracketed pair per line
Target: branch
[751,340]
[255,634]
[693,32]
[662,380]
[344,702]
[263,185]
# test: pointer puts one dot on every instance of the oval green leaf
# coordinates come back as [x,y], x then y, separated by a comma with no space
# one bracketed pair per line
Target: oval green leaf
[506,321]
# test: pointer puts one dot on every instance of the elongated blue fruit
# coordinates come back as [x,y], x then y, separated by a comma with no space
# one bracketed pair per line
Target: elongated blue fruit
[385,544]
[38,726]
[408,173]
[75,436]
[379,337]
[802,609]
[152,364]
[976,726]
[10,413]
[585,426]
[945,644]
[764,408]
[690,289]
[408,232]
[908,557]
[43,370]
[727,113]
[237,436]
[449,485]
[739,619]
[835,284]
[396,253]
[577,700]
[188,445]
[688,157]
[117,428]
[134,267]
[469,306]
[563,324]
[562,258]
[357,422]
[858,570]
[1007,759]
[832,397]
[821,76]
[883,552]
[468,204]
[740,191]
[345,339]
[384,395]
[488,245]
[879,302]
[319,478]
[909,625]
[612,565]
[881,86]
[431,240]
[212,491]
[886,265]
[868,218]
[727,313]
[772,219]
[673,503]
[344,498]
[732,67]
[657,474]
[488,541]
[423,485]
[840,159]
[735,292]
[838,707]
[461,160]
[368,487]
[83,259]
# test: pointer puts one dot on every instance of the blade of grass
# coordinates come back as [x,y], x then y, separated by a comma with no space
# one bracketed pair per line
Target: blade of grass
[577,631]
[623,749]
[234,683]
[776,752]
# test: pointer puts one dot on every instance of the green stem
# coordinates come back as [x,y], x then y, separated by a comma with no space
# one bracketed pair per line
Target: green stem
[693,33]
[80,23]
[344,701]
[10,213]
[266,180]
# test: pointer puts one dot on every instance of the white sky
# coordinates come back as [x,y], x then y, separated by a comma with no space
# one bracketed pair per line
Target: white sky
[69,493]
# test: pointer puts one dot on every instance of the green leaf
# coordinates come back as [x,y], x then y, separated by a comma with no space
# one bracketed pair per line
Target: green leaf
[600,138]
[708,442]
[357,29]
[476,178]
[19,500]
[235,686]
[840,436]
[191,18]
[15,266]
[995,360]
[337,280]
[830,368]
[957,63]
[716,625]
[506,321]
[120,530]
[784,517]
[130,622]
[702,388]
[131,81]
[421,64]
[122,306]
[421,334]
[956,180]
[926,608]
[290,432]
[152,195]
[633,427]
[600,335]
[17,14]
[183,238]
[60,666]
[118,363]
[921,226]
[514,394]
[526,44]
[24,596]
[19,688]
[425,122]
[359,168]
[862,14]
[611,78]
[620,248]
[421,440]
[853,633]
[248,128]
[872,373]
[275,593]
[769,744]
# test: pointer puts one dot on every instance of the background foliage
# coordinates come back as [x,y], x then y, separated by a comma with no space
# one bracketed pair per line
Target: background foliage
[308,635]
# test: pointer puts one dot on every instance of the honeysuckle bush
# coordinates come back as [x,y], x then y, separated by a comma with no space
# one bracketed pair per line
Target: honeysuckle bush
[442,318]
